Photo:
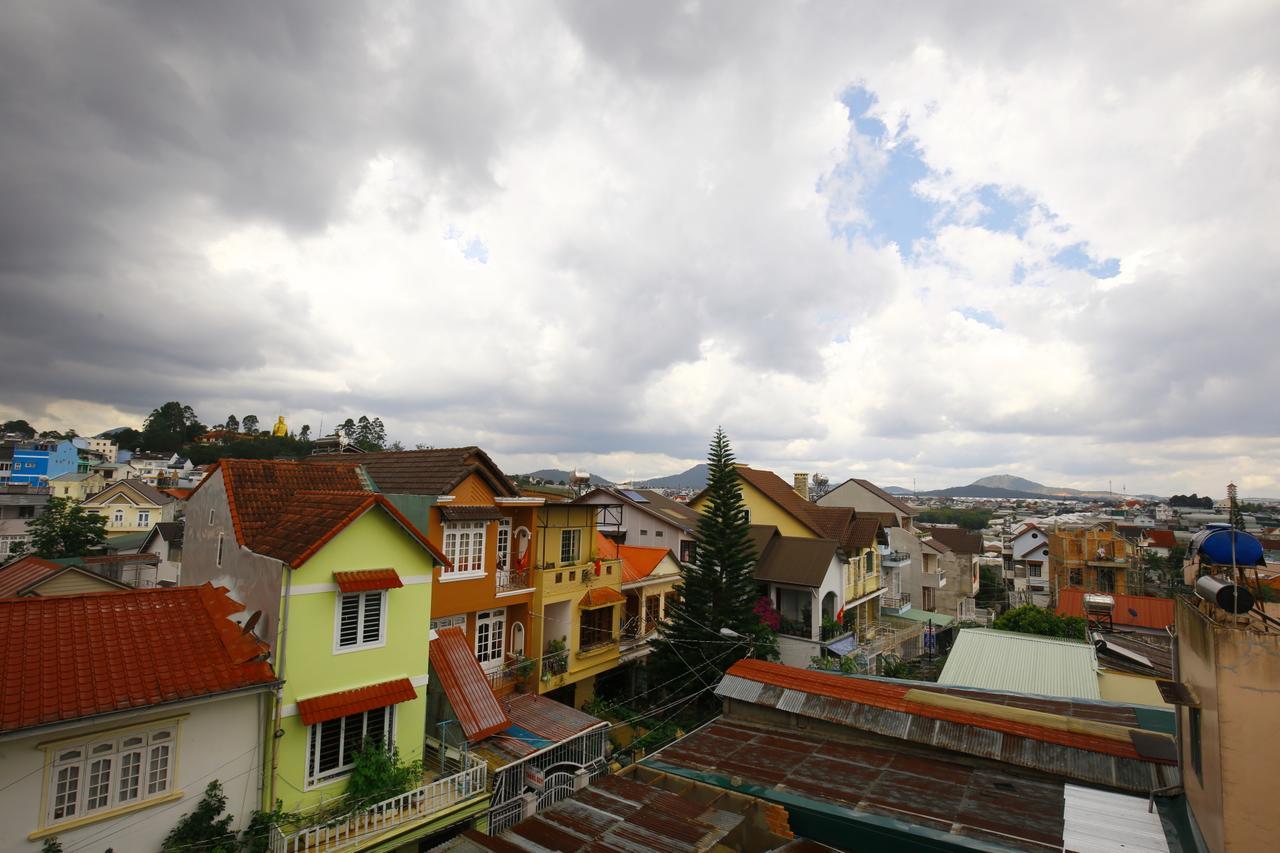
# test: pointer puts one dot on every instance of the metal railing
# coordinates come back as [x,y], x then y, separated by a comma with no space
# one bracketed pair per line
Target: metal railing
[895,602]
[588,750]
[513,671]
[895,558]
[795,628]
[509,579]
[348,830]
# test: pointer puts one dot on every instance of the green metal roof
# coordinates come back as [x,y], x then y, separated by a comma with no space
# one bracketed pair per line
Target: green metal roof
[915,614]
[1022,663]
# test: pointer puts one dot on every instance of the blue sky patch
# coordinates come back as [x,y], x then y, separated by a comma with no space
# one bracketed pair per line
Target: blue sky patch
[981,315]
[895,212]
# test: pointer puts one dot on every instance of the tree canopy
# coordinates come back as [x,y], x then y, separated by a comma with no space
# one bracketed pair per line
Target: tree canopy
[171,426]
[19,426]
[1192,500]
[65,529]
[717,591]
[968,519]
[1029,619]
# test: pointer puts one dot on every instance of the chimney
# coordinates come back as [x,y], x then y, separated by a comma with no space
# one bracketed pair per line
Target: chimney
[801,484]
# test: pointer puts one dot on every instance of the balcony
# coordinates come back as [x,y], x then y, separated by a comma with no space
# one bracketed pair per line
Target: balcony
[796,628]
[461,778]
[895,603]
[896,559]
[599,647]
[511,580]
[515,670]
[933,580]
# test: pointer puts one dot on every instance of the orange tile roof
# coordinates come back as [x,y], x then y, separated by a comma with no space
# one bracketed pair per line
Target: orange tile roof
[1162,538]
[601,596]
[369,579]
[180,494]
[892,696]
[1138,611]
[466,686]
[68,657]
[289,510]
[638,562]
[333,705]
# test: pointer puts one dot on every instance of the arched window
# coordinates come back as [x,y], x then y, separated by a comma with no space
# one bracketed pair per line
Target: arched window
[517,639]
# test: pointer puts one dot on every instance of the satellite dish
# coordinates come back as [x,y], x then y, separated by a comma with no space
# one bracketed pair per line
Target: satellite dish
[251,622]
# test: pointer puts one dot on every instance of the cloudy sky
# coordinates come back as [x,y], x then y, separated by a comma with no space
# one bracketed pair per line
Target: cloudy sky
[930,243]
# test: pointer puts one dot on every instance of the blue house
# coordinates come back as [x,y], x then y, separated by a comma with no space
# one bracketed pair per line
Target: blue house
[36,461]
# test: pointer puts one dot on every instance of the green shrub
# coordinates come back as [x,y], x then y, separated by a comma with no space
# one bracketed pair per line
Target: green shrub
[378,774]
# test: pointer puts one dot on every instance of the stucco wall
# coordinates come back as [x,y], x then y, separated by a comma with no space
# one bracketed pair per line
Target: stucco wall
[218,739]
[851,494]
[373,541]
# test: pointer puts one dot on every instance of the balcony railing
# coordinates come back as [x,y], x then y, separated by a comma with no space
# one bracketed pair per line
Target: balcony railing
[515,669]
[829,631]
[357,827]
[596,647]
[896,603]
[636,628]
[895,559]
[796,628]
[510,579]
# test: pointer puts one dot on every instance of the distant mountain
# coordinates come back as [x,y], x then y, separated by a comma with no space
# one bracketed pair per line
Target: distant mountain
[694,478]
[898,490]
[555,475]
[977,491]
[1015,484]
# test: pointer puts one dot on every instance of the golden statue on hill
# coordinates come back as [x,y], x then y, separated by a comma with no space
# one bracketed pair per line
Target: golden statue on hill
[280,430]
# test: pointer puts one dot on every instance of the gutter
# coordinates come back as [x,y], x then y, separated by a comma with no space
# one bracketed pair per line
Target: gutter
[276,732]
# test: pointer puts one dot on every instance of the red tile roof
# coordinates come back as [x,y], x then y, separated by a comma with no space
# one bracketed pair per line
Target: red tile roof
[466,685]
[1147,611]
[333,705]
[69,657]
[289,510]
[892,696]
[368,579]
[601,596]
[1162,538]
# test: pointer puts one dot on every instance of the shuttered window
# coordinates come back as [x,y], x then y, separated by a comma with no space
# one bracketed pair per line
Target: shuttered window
[360,619]
[332,745]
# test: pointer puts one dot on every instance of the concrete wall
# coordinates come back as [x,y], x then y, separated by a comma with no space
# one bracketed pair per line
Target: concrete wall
[1235,673]
[852,494]
[217,739]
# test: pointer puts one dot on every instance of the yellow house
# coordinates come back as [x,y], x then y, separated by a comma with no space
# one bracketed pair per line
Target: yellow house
[576,603]
[76,486]
[131,506]
[771,501]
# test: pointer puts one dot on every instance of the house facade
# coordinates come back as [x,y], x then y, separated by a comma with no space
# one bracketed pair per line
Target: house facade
[131,507]
[340,582]
[648,520]
[76,486]
[476,517]
[649,577]
[99,764]
[1027,559]
[577,603]
[960,567]
[1095,558]
[35,462]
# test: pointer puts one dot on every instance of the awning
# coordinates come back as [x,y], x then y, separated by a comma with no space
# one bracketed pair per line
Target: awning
[843,646]
[469,513]
[366,580]
[863,599]
[334,705]
[601,597]
[465,685]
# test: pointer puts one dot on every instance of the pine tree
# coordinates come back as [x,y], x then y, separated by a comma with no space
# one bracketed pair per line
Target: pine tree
[716,591]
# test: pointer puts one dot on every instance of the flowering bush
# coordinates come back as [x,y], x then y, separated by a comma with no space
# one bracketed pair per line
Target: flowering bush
[769,616]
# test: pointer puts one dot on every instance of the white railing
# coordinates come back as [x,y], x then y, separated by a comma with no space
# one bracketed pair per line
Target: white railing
[345,831]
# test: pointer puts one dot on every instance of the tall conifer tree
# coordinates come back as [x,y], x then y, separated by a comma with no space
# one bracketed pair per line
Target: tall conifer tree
[717,591]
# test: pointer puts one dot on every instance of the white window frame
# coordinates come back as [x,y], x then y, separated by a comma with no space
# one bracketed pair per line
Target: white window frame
[315,778]
[117,516]
[573,550]
[144,517]
[503,543]
[153,752]
[469,561]
[450,622]
[1033,570]
[361,615]
[490,650]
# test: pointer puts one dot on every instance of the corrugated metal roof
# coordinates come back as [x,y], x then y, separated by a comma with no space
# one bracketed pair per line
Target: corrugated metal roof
[978,726]
[1101,821]
[465,685]
[1022,663]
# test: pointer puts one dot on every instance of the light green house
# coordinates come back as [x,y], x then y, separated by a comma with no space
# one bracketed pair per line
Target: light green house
[340,582]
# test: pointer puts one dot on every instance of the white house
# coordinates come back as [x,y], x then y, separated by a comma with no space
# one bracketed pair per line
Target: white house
[1029,554]
[131,702]
[648,520]
[804,580]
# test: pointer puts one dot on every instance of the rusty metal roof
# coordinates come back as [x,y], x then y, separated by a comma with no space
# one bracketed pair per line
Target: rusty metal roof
[940,797]
[1027,731]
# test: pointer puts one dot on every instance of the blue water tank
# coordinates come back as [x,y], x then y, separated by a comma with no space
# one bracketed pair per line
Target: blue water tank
[1213,544]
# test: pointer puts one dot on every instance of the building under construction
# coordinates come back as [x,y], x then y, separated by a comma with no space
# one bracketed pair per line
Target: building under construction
[1096,559]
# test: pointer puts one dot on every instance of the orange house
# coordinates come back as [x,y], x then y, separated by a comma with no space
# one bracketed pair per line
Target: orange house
[486,529]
